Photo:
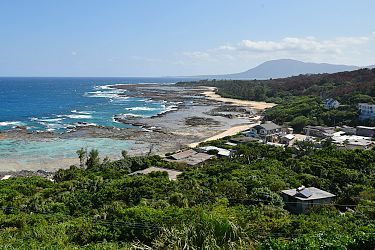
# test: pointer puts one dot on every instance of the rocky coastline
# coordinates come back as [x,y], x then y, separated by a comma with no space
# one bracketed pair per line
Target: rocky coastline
[190,117]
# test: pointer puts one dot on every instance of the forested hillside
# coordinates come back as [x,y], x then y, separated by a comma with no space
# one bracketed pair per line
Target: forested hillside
[226,204]
[343,85]
[300,98]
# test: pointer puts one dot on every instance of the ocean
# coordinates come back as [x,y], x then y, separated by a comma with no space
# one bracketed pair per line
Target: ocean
[56,104]
[60,104]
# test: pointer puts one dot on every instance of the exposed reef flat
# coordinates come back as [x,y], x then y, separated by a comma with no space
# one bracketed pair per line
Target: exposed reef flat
[190,117]
[194,118]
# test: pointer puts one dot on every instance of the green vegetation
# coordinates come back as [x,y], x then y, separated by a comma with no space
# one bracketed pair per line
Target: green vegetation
[225,204]
[300,111]
[344,85]
[300,98]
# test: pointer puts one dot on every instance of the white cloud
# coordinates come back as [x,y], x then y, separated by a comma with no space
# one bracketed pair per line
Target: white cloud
[309,48]
[247,53]
[260,45]
[306,44]
[74,53]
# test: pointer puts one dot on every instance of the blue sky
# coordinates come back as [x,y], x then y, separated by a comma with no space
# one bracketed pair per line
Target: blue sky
[171,37]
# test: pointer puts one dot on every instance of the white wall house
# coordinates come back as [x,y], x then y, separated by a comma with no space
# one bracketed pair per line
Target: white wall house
[366,111]
[331,103]
[264,129]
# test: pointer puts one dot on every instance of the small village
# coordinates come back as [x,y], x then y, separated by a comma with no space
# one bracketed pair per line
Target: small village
[297,200]
[300,199]
[267,132]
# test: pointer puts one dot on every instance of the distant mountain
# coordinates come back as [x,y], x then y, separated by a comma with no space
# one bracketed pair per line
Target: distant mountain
[285,68]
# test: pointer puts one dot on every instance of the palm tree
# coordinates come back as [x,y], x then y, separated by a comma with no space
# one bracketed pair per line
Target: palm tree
[82,156]
[93,159]
[124,154]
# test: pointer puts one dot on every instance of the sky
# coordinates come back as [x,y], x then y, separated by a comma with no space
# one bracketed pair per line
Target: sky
[179,38]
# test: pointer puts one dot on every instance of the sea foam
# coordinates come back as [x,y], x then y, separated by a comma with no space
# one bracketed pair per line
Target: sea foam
[11,123]
[82,112]
[142,109]
[78,116]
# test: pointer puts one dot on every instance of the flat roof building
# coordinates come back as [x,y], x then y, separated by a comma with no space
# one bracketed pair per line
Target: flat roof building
[220,151]
[197,159]
[182,155]
[365,131]
[319,131]
[190,157]
[172,174]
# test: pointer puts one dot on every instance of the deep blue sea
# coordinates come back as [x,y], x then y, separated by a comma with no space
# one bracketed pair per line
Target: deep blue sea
[55,104]
[60,104]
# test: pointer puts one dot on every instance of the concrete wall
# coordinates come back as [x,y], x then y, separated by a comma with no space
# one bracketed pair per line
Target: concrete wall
[365,132]
[296,206]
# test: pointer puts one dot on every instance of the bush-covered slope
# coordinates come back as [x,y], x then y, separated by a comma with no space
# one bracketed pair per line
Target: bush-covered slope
[226,204]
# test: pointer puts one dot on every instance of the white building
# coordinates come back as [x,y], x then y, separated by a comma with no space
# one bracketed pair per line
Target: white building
[367,111]
[331,103]
[286,139]
[263,130]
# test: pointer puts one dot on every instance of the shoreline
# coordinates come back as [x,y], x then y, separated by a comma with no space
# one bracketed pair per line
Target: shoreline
[201,116]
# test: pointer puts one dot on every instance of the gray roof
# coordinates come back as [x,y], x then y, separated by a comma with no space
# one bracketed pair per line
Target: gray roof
[197,159]
[183,154]
[326,130]
[269,126]
[172,174]
[316,194]
[189,157]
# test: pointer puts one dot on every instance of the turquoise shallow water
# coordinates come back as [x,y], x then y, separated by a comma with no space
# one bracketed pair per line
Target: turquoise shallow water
[26,153]
[59,104]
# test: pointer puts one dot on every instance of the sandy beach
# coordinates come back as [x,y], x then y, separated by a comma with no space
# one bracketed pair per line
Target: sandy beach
[229,132]
[211,94]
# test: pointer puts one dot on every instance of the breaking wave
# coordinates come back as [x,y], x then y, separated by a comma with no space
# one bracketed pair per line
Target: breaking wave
[11,123]
[142,109]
